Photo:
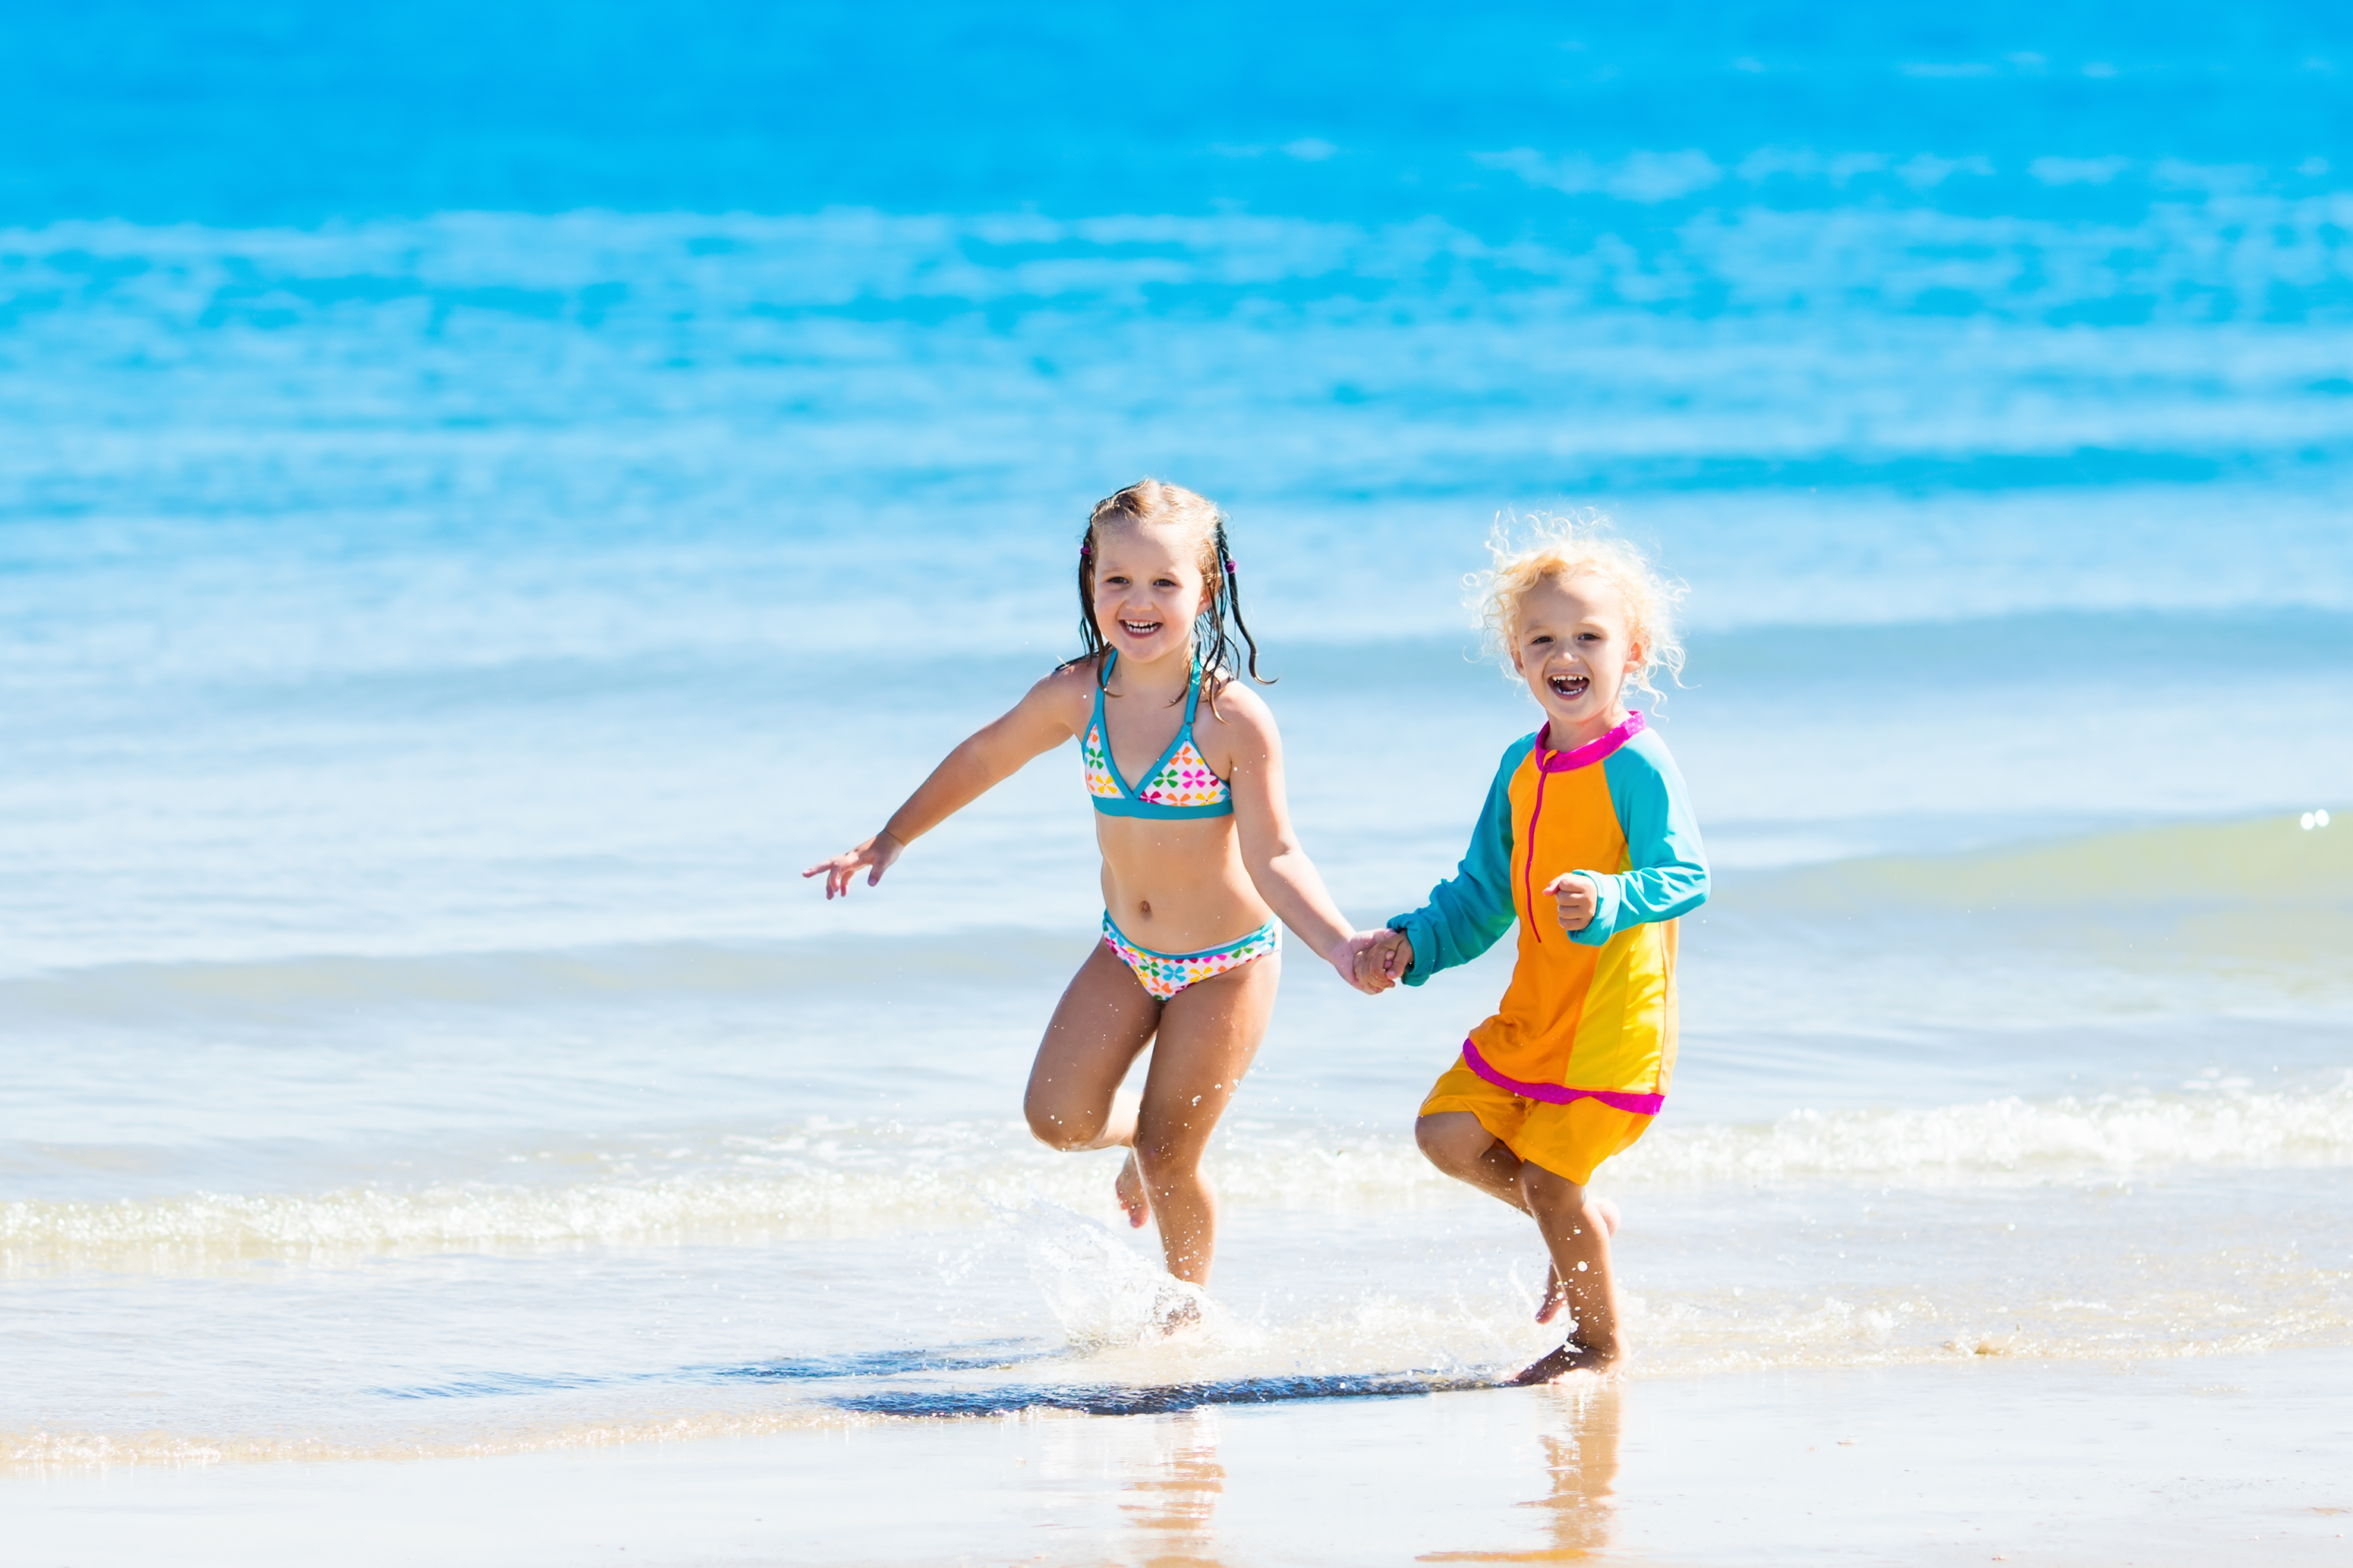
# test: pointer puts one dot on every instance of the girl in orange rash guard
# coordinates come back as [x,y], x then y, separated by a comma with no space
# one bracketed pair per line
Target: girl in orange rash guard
[1589,816]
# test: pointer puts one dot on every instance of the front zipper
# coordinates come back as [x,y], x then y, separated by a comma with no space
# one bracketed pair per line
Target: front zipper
[1529,876]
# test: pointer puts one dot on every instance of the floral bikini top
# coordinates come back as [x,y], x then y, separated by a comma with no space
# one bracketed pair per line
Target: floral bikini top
[1179,784]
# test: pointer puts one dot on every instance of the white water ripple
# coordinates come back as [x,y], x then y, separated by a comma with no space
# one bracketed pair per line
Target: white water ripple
[867,1181]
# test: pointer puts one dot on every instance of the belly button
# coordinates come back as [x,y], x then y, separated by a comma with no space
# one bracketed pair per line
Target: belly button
[1143,908]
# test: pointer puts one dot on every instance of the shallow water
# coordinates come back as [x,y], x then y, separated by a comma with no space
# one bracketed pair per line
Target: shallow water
[435,632]
[2020,1461]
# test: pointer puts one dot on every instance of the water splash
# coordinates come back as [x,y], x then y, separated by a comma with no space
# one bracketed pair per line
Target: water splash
[1104,1296]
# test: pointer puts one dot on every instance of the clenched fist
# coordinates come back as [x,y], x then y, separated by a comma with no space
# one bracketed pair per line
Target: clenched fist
[1577,899]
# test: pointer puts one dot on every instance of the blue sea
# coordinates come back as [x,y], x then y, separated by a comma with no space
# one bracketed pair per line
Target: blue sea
[489,493]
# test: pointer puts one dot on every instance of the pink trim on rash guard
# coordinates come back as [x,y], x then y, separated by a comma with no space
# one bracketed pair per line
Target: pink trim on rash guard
[1554,1094]
[1549,762]
[1528,877]
[1593,751]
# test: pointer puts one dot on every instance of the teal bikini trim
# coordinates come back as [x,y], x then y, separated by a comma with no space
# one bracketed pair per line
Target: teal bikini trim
[1109,807]
[1178,785]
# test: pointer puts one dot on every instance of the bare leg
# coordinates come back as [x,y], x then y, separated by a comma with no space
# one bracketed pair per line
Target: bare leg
[1556,1292]
[1128,1186]
[1459,1144]
[1577,1236]
[1208,1034]
[1099,1028]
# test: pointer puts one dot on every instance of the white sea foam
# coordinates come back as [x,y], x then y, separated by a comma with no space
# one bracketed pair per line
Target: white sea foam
[2008,1139]
[879,1180]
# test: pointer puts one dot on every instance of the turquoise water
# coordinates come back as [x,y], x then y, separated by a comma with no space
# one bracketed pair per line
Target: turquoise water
[458,561]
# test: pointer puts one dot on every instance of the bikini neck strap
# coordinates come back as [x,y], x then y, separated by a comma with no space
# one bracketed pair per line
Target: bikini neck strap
[1192,685]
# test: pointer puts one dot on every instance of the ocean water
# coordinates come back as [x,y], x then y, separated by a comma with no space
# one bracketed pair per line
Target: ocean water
[457,568]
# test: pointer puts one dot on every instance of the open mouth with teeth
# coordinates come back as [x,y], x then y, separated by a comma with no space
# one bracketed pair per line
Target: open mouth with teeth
[1139,628]
[1568,687]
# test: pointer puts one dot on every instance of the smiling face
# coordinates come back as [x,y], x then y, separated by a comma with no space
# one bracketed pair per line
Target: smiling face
[1148,589]
[1574,649]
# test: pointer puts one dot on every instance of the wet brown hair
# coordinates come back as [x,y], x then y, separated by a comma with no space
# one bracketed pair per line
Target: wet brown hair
[1150,500]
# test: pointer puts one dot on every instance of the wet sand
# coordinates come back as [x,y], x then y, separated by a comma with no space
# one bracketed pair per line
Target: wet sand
[2190,1461]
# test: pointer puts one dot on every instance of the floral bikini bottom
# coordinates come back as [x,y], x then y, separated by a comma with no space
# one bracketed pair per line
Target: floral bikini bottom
[1165,973]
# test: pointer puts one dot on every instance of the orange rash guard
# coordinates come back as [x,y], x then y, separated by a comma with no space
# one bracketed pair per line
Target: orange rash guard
[1593,1013]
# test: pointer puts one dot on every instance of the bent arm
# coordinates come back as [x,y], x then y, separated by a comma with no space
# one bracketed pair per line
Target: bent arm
[1278,866]
[1668,866]
[1469,911]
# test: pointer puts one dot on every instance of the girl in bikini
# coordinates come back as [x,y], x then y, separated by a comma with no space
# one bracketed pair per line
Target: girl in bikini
[1198,857]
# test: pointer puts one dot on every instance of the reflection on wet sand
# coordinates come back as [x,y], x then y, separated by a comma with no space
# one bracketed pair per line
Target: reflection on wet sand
[1173,1503]
[1580,1454]
[1164,1474]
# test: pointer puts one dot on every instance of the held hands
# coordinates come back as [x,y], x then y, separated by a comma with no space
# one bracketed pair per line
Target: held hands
[1377,960]
[877,852]
[1366,973]
[1577,899]
[1373,961]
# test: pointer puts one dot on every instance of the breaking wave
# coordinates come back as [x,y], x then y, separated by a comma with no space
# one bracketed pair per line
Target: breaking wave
[853,1181]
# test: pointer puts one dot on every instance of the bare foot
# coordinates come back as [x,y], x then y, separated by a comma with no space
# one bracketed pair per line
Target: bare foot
[1130,1188]
[1174,1316]
[1571,1357]
[1555,1298]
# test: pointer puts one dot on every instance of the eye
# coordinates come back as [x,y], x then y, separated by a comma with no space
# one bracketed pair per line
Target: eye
[1164,582]
[1540,640]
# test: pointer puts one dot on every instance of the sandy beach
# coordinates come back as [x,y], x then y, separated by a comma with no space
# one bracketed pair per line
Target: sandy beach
[2198,1461]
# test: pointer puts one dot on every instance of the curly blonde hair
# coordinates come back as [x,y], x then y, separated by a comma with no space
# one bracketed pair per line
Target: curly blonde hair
[1550,547]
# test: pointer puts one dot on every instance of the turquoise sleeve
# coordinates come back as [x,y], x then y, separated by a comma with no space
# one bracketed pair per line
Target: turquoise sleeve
[1470,910]
[1669,868]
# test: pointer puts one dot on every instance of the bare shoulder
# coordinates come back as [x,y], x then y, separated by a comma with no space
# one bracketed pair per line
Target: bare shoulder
[1240,724]
[1067,691]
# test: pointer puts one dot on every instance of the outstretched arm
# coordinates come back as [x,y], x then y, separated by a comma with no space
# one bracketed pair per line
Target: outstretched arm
[1037,724]
[1279,867]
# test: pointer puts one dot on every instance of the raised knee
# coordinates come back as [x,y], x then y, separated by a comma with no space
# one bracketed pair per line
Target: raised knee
[1447,1144]
[1056,1130]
